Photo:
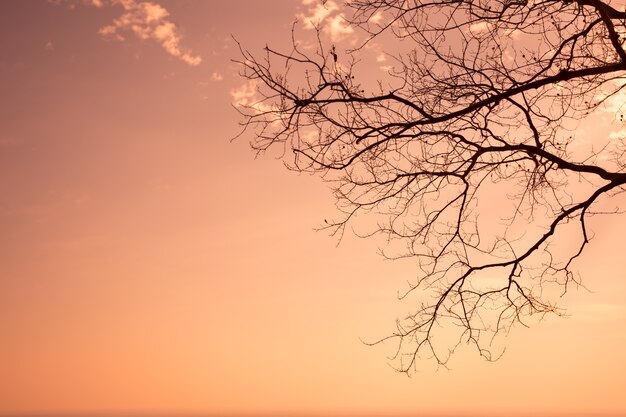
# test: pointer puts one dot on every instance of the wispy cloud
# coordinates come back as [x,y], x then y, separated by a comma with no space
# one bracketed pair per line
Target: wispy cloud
[338,28]
[327,16]
[479,27]
[317,14]
[612,101]
[245,95]
[147,21]
[617,135]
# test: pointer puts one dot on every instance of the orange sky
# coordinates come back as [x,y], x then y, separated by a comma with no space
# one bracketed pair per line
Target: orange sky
[148,264]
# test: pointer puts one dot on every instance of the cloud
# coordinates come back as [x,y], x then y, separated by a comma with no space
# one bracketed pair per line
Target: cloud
[316,15]
[612,99]
[245,94]
[147,21]
[338,28]
[216,76]
[480,27]
[617,135]
[325,15]
[613,104]
[376,18]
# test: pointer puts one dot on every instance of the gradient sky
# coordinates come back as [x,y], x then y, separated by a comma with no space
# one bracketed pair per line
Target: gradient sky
[149,264]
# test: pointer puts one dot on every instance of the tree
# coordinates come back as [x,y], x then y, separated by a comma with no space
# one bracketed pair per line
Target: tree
[466,156]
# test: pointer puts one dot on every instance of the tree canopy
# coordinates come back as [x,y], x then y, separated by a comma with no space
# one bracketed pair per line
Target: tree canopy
[466,154]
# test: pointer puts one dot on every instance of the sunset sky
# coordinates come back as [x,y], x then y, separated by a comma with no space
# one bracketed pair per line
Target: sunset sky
[150,264]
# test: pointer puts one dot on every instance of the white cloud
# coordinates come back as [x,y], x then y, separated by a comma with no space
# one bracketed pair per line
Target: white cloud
[611,99]
[216,76]
[376,18]
[245,95]
[147,21]
[316,15]
[479,27]
[617,135]
[613,104]
[327,16]
[338,28]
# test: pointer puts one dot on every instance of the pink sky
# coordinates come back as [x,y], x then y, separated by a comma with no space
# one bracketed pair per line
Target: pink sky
[149,264]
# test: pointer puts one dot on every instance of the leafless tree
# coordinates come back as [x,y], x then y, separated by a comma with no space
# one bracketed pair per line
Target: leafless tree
[465,155]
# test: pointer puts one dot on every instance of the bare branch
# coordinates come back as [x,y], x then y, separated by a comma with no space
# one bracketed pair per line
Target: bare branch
[478,112]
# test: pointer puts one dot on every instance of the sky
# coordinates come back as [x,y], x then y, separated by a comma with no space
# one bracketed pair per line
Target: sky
[150,264]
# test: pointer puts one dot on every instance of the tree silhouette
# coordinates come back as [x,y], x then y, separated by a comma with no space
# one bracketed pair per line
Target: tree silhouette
[465,155]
